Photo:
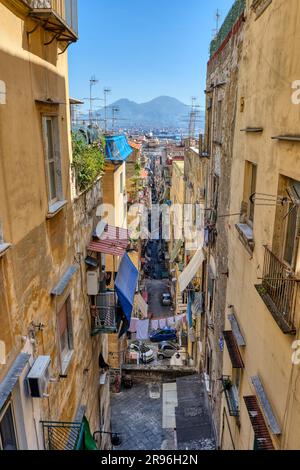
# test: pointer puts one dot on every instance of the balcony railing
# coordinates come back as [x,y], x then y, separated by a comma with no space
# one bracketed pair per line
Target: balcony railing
[104,314]
[231,397]
[62,436]
[279,290]
[59,16]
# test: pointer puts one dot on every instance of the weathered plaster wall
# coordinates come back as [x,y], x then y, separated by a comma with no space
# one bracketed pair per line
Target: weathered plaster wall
[269,65]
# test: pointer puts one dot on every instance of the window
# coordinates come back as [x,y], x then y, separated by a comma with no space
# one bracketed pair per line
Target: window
[259,6]
[291,232]
[52,155]
[250,180]
[287,222]
[8,435]
[65,334]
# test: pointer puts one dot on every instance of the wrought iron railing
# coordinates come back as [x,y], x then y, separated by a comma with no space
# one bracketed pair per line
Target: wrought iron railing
[104,314]
[62,436]
[67,10]
[231,396]
[279,283]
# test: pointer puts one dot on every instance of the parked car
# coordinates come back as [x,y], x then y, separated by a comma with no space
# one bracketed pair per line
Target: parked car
[167,349]
[145,353]
[166,334]
[166,299]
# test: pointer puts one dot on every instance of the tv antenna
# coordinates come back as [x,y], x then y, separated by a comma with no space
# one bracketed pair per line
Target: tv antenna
[115,110]
[217,18]
[91,99]
[107,91]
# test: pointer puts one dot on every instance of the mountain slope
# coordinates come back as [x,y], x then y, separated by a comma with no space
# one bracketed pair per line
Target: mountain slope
[163,111]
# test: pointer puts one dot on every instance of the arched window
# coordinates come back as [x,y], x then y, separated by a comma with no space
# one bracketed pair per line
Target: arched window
[2,92]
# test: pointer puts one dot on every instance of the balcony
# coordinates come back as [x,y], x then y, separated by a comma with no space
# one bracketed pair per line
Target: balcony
[104,314]
[59,17]
[62,436]
[279,291]
[231,397]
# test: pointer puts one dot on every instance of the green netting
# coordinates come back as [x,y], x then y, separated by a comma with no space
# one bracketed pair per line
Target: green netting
[237,9]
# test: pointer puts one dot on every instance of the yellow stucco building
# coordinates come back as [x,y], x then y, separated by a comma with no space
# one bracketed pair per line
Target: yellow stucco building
[45,322]
[260,387]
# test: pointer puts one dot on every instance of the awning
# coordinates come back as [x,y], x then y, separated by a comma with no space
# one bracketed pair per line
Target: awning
[10,381]
[106,248]
[176,250]
[125,285]
[111,240]
[64,282]
[263,439]
[142,305]
[117,148]
[266,406]
[191,270]
[111,233]
[233,350]
[236,330]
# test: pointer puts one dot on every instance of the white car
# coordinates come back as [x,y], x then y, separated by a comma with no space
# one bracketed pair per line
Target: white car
[145,353]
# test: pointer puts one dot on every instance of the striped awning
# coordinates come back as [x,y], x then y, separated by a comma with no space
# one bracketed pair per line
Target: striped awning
[106,248]
[263,439]
[110,240]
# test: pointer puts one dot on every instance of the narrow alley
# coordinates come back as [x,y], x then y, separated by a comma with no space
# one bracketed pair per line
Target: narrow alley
[149,230]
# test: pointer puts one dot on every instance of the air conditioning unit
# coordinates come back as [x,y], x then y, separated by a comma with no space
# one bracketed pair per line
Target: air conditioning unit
[39,377]
[92,282]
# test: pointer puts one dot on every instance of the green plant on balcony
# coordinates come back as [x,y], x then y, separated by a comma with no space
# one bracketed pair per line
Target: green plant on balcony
[88,160]
[227,384]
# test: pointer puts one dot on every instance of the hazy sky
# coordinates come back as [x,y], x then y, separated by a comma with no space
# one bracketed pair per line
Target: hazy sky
[142,49]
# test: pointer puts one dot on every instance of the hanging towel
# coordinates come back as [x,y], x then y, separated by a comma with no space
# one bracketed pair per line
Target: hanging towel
[133,325]
[154,325]
[163,323]
[142,330]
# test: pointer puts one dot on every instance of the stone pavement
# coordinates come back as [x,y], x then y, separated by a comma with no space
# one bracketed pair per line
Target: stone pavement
[139,419]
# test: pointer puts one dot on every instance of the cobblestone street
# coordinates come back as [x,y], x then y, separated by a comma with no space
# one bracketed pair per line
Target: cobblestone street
[139,419]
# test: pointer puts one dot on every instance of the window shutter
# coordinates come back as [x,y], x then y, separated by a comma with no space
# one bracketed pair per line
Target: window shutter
[63,320]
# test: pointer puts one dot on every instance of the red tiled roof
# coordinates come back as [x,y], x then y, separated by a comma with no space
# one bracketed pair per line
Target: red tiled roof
[135,145]
[262,435]
[233,350]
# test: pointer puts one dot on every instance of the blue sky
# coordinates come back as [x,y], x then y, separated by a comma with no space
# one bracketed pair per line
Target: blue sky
[142,49]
